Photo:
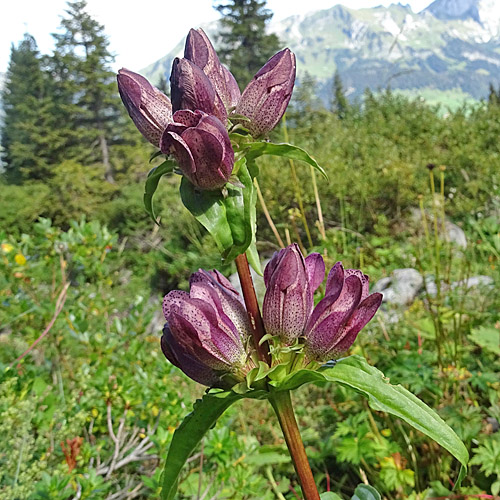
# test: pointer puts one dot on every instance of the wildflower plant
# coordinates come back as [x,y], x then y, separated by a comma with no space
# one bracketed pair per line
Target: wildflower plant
[212,135]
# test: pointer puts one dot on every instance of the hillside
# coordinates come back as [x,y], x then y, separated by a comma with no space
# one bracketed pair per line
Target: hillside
[450,48]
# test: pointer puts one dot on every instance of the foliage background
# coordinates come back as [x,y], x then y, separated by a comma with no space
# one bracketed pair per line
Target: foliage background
[89,412]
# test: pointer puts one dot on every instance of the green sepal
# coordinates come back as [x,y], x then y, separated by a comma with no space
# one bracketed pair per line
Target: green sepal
[152,181]
[255,149]
[356,373]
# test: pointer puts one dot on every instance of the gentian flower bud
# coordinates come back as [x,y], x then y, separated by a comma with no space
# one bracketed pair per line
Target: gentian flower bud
[191,89]
[266,97]
[200,51]
[202,147]
[290,284]
[150,109]
[337,319]
[207,331]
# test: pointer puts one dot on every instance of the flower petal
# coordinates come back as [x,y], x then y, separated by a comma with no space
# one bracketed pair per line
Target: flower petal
[201,52]
[315,268]
[266,97]
[322,334]
[359,319]
[191,89]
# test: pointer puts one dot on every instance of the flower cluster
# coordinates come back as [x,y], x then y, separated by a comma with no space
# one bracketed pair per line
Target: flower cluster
[207,334]
[207,331]
[328,329]
[206,100]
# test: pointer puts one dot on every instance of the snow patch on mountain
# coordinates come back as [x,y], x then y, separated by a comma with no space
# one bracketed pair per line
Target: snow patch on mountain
[486,13]
[477,56]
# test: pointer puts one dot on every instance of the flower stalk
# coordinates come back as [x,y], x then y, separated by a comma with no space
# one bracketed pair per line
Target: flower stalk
[282,405]
[252,307]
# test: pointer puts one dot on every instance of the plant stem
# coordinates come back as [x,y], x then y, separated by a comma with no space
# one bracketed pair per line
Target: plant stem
[321,224]
[282,405]
[252,307]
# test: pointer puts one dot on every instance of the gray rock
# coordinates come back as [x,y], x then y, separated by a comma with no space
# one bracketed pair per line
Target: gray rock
[455,234]
[401,287]
[430,285]
[473,281]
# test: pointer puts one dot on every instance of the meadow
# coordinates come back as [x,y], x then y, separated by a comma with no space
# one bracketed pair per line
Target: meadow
[88,402]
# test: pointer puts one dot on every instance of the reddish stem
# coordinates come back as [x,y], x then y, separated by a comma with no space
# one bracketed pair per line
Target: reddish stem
[252,307]
[282,404]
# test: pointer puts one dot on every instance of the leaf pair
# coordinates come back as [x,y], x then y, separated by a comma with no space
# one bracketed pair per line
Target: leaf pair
[353,372]
[229,216]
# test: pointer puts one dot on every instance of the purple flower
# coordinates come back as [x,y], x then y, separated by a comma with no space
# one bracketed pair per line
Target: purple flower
[200,51]
[192,90]
[337,319]
[266,97]
[290,284]
[331,327]
[263,101]
[149,108]
[201,145]
[207,331]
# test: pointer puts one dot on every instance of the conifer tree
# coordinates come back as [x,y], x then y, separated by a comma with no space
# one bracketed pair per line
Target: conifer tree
[85,88]
[163,85]
[25,143]
[244,45]
[494,96]
[340,104]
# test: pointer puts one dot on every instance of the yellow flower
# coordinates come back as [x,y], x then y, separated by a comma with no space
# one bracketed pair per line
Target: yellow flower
[20,259]
[7,247]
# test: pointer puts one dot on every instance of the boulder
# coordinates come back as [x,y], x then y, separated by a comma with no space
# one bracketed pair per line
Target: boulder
[401,287]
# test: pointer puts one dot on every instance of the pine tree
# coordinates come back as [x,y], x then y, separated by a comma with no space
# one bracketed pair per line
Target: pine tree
[85,88]
[340,104]
[494,96]
[25,142]
[163,85]
[244,45]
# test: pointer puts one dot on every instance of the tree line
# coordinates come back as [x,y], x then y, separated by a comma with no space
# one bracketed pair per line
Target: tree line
[65,106]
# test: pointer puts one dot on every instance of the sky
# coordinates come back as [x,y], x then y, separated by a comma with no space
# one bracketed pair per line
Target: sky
[140,31]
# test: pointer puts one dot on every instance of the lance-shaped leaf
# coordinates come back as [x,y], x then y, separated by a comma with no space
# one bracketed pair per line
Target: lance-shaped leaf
[256,149]
[195,425]
[152,181]
[356,373]
[187,436]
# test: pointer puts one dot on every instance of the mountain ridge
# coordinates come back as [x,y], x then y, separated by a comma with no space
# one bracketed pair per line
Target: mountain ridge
[452,45]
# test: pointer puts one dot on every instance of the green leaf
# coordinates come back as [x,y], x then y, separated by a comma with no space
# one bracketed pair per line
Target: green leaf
[365,492]
[208,209]
[487,338]
[356,373]
[284,150]
[241,215]
[229,218]
[154,155]
[253,257]
[187,436]
[267,455]
[152,181]
[329,495]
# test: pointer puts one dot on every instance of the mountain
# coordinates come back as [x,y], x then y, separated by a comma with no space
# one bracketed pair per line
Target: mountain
[452,48]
